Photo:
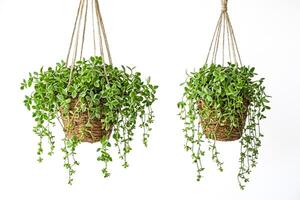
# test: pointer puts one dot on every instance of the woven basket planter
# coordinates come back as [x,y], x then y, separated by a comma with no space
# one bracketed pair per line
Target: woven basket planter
[75,125]
[223,131]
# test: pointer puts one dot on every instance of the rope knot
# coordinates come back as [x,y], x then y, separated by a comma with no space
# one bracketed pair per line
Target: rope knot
[224,5]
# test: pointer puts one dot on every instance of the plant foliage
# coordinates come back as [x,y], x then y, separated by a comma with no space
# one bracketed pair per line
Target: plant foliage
[125,98]
[224,89]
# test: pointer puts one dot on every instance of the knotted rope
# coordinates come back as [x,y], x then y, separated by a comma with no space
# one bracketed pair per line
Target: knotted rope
[224,36]
[224,5]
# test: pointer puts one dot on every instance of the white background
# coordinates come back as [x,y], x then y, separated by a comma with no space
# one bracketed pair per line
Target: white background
[162,38]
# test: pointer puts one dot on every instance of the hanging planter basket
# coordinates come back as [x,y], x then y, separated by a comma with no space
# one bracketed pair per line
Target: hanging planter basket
[80,124]
[222,130]
[214,127]
[93,101]
[223,101]
[82,127]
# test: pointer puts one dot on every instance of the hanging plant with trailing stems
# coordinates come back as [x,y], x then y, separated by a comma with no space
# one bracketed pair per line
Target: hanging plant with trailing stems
[90,109]
[93,101]
[224,103]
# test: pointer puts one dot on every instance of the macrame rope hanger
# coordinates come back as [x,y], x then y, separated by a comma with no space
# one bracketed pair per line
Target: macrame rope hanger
[100,42]
[224,36]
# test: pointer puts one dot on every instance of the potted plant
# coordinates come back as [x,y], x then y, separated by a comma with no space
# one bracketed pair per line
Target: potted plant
[224,102]
[100,103]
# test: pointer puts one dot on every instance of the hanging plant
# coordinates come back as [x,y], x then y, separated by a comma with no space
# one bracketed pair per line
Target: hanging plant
[93,101]
[224,103]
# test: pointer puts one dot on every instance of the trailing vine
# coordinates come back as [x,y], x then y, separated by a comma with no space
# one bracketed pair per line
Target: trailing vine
[224,91]
[120,103]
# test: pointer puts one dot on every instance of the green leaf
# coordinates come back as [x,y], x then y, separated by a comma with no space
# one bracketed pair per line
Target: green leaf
[97,84]
[68,101]
[74,94]
[209,98]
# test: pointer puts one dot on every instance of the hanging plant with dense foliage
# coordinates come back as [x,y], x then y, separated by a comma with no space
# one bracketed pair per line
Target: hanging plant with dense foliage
[224,103]
[111,100]
[91,99]
[221,98]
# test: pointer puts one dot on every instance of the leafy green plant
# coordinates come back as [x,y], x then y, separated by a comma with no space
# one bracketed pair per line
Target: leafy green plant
[117,97]
[227,93]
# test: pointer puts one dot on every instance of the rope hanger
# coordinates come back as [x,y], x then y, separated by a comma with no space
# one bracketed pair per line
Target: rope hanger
[100,42]
[224,35]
